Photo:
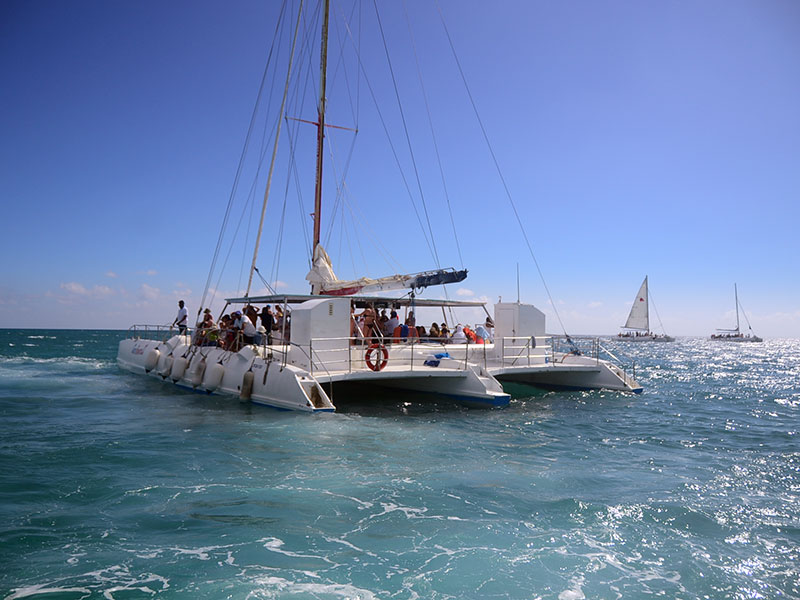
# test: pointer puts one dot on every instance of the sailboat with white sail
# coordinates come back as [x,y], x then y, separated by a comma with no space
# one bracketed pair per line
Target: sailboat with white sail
[637,327]
[735,335]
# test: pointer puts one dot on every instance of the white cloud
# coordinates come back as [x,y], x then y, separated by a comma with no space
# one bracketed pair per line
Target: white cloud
[74,288]
[595,304]
[464,292]
[111,274]
[148,292]
[279,285]
[98,291]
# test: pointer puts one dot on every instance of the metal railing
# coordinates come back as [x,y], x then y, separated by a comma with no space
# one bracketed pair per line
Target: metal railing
[409,354]
[591,347]
[159,333]
[517,351]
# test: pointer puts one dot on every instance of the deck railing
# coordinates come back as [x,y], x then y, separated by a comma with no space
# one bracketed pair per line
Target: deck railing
[159,333]
[593,348]
[516,351]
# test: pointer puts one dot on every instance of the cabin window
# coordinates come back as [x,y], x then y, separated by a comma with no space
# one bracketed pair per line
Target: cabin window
[330,309]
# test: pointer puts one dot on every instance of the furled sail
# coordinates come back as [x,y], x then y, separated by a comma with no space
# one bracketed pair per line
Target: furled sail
[324,281]
[639,318]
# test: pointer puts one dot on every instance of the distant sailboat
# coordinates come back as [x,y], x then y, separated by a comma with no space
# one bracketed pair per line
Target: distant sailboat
[637,327]
[735,335]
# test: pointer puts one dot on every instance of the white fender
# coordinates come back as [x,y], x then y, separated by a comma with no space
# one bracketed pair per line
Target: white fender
[166,365]
[196,372]
[213,376]
[178,368]
[247,386]
[151,360]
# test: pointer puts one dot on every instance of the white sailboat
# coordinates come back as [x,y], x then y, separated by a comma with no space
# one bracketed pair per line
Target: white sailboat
[320,355]
[735,335]
[637,327]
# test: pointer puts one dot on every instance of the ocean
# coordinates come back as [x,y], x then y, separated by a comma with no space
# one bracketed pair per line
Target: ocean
[118,486]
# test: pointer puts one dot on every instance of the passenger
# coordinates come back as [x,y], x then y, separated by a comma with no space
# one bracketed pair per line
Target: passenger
[182,320]
[489,325]
[393,322]
[421,334]
[411,320]
[470,334]
[204,329]
[444,331]
[248,330]
[433,333]
[252,313]
[369,328]
[458,336]
[382,321]
[268,322]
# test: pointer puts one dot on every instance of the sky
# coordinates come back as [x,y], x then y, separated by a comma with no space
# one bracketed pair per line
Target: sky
[613,139]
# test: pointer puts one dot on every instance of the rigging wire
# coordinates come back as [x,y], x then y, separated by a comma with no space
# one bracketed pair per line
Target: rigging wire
[240,167]
[433,134]
[656,309]
[275,150]
[391,145]
[407,134]
[499,171]
[745,315]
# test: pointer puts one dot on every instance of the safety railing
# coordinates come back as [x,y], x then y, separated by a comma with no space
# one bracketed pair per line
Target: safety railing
[159,333]
[518,351]
[593,348]
[350,354]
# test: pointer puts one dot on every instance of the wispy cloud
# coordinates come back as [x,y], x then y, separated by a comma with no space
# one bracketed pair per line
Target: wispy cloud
[595,304]
[148,292]
[464,292]
[111,274]
[77,289]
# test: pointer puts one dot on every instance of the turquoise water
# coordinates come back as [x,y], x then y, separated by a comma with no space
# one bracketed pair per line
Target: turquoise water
[117,486]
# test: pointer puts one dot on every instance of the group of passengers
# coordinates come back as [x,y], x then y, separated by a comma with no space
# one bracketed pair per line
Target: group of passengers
[241,328]
[368,327]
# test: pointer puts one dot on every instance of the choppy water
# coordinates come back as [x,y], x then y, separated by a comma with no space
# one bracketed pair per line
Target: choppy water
[116,486]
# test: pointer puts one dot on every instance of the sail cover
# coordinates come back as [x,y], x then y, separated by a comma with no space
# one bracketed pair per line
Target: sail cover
[324,281]
[640,314]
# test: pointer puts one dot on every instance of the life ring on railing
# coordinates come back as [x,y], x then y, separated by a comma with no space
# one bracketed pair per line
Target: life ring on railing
[381,362]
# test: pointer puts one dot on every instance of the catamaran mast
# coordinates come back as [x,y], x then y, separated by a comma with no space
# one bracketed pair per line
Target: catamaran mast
[736,295]
[323,62]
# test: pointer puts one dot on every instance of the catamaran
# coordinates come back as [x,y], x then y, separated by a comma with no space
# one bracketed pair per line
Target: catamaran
[317,357]
[735,335]
[637,327]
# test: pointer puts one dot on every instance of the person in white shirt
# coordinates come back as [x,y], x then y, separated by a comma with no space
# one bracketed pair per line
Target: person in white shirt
[182,319]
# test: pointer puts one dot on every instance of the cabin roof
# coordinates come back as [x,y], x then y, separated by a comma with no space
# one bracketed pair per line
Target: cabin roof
[358,301]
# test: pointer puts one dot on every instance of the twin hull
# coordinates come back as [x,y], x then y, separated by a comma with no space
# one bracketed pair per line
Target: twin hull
[253,374]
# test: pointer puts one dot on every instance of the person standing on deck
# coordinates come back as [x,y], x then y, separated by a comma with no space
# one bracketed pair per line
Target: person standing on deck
[268,321]
[182,319]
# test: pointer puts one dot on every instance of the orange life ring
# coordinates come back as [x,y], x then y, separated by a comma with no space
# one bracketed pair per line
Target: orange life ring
[381,363]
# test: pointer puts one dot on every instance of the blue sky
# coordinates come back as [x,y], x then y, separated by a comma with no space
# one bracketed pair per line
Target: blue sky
[658,139]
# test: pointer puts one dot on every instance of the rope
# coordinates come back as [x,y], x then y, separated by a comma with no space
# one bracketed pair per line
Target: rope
[391,146]
[275,150]
[499,171]
[433,135]
[408,136]
[656,309]
[241,161]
